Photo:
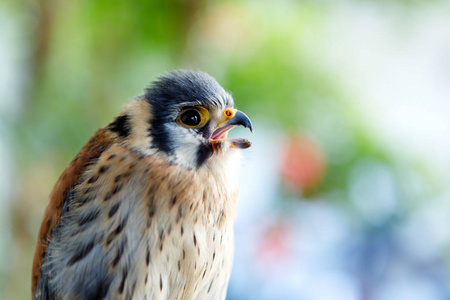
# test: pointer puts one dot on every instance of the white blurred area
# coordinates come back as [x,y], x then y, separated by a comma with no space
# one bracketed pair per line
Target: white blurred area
[396,63]
[11,87]
[393,241]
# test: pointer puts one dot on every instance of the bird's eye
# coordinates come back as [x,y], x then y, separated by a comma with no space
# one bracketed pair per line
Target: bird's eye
[190,118]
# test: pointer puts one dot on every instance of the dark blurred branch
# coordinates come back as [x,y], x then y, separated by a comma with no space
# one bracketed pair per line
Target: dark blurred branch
[43,33]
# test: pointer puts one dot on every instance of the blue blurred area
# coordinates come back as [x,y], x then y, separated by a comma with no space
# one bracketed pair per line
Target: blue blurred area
[367,244]
[344,194]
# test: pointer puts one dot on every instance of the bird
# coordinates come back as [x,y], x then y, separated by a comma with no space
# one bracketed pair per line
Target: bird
[146,208]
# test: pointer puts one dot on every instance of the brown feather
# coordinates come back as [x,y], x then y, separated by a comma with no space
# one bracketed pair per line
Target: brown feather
[96,145]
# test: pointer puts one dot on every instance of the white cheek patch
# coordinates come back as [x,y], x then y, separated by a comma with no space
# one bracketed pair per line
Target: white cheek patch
[187,144]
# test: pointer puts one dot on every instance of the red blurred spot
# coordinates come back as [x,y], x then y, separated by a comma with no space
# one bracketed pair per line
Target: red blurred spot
[303,164]
[275,246]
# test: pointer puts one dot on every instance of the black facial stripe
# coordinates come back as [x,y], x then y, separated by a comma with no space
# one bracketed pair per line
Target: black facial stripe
[161,138]
[204,152]
[121,126]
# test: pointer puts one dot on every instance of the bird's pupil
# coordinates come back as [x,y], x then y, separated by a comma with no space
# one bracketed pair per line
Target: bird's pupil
[190,118]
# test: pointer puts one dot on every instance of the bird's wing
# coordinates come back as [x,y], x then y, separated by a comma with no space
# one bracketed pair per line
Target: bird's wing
[98,143]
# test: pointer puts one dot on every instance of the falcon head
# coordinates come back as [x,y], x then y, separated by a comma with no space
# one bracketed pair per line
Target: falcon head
[184,116]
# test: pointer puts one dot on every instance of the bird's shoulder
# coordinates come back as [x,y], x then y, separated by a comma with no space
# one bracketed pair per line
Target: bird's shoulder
[96,145]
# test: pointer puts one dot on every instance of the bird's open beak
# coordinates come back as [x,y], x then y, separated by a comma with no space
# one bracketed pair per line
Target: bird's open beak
[233,118]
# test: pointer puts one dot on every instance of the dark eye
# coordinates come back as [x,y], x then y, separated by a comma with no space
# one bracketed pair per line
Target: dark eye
[190,118]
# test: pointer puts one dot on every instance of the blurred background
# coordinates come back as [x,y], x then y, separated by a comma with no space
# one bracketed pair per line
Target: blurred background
[345,192]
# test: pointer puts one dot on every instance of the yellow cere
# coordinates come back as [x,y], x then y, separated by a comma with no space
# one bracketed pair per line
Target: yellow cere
[228,113]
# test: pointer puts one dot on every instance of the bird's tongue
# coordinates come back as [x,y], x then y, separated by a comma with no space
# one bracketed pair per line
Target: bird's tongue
[221,133]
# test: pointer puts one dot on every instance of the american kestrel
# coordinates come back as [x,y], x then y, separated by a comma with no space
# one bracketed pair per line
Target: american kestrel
[146,208]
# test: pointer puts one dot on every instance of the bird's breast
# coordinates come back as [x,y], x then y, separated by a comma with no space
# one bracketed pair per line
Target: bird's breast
[191,213]
[139,226]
